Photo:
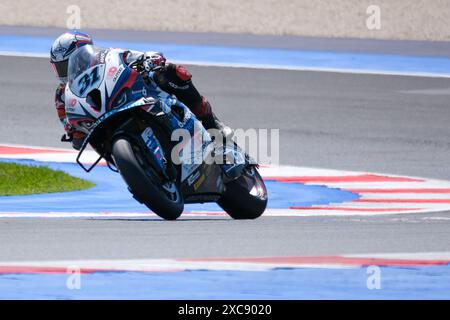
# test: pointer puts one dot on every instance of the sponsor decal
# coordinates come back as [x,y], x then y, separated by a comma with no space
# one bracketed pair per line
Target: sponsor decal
[72,102]
[147,134]
[119,72]
[187,169]
[102,56]
[173,85]
[59,49]
[112,71]
[70,106]
[194,177]
[199,182]
[143,92]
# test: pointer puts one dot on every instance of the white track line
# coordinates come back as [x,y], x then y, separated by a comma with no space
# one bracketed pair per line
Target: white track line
[250,264]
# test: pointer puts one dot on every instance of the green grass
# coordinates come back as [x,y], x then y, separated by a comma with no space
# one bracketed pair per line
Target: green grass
[16,179]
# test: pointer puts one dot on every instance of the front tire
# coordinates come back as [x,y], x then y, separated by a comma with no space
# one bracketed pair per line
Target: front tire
[165,199]
[245,197]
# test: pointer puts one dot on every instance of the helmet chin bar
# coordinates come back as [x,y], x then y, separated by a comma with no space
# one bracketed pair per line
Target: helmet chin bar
[61,68]
[61,79]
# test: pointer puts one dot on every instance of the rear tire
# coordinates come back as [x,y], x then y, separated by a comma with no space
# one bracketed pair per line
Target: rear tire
[164,200]
[245,197]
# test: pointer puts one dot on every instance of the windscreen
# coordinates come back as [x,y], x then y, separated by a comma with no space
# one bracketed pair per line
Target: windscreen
[86,67]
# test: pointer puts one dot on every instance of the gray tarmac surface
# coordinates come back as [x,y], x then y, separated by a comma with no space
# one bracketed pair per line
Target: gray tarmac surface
[72,239]
[388,124]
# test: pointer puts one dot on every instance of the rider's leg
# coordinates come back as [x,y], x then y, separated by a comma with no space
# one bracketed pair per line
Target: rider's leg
[175,79]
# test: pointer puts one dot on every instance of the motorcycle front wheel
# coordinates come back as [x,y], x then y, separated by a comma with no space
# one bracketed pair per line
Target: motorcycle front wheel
[164,199]
[245,197]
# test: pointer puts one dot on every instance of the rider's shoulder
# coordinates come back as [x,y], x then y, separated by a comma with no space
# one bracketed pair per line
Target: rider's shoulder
[116,50]
[129,55]
[122,50]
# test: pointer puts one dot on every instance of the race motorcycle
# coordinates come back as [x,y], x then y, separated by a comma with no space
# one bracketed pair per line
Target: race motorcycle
[130,121]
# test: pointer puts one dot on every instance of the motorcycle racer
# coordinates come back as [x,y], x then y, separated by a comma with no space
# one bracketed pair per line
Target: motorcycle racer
[172,78]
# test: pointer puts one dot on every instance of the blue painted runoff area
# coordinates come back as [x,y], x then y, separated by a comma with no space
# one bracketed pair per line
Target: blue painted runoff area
[111,194]
[256,57]
[430,282]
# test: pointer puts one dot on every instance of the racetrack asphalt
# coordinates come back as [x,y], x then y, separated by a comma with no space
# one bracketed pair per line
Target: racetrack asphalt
[389,124]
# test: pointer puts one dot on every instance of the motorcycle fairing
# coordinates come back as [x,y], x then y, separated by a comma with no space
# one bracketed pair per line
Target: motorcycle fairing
[120,88]
[115,85]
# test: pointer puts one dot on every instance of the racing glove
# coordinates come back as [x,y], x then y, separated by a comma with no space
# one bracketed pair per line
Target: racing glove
[77,140]
[153,61]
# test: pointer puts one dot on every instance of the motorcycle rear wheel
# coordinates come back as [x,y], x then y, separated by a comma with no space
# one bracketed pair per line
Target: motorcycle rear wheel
[165,199]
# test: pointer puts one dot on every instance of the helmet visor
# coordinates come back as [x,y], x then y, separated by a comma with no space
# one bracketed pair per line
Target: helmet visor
[61,68]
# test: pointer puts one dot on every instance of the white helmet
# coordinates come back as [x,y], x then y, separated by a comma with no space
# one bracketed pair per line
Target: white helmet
[63,47]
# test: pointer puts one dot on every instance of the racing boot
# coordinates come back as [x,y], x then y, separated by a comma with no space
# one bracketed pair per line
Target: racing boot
[232,159]
[212,122]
